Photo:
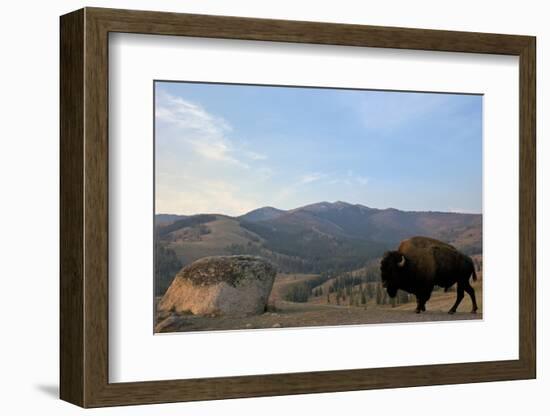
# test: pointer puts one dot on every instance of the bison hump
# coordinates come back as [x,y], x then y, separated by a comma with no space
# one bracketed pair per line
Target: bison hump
[423,243]
[445,258]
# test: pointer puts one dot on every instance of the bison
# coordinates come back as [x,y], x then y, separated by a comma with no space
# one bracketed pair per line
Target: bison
[420,263]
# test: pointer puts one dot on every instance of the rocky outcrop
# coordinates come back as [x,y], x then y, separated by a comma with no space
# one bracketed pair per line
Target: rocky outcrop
[221,285]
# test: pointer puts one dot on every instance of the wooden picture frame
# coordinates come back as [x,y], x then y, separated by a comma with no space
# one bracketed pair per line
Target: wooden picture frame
[84,207]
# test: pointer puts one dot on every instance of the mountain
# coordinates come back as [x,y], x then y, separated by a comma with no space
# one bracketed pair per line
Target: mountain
[165,219]
[383,225]
[316,237]
[262,214]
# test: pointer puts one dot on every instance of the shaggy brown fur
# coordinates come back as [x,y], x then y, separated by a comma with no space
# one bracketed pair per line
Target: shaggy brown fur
[420,263]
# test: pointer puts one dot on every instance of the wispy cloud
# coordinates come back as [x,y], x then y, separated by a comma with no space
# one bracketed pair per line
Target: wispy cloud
[230,148]
[264,173]
[199,166]
[203,195]
[385,112]
[315,182]
[310,177]
[204,132]
[349,179]
[254,155]
[176,110]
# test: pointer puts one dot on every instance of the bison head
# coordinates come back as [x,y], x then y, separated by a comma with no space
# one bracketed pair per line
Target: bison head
[392,268]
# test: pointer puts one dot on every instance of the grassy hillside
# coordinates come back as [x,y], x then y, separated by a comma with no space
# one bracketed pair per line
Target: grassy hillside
[212,236]
[324,237]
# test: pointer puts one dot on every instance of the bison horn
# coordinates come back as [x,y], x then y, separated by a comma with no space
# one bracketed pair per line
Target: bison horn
[401,262]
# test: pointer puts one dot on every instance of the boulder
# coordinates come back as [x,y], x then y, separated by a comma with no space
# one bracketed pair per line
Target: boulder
[221,285]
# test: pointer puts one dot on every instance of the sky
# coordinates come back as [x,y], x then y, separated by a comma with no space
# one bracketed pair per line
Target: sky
[229,149]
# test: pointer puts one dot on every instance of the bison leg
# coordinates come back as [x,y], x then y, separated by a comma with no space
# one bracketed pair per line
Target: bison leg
[420,304]
[459,297]
[470,290]
[426,298]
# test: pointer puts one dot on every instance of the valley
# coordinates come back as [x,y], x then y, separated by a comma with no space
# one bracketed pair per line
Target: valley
[327,257]
[323,237]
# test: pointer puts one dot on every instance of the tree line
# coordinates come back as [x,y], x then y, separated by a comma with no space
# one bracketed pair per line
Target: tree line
[346,290]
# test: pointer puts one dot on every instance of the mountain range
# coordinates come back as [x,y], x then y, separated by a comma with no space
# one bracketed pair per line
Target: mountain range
[313,238]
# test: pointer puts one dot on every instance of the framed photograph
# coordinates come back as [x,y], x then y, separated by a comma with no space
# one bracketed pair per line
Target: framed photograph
[255,207]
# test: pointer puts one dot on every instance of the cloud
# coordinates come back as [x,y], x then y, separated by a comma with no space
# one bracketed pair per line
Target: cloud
[264,173]
[203,195]
[205,133]
[199,166]
[298,185]
[254,155]
[176,110]
[384,112]
[302,184]
[349,179]
[310,177]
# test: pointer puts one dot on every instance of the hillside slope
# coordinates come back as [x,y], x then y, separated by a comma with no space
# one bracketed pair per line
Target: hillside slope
[314,238]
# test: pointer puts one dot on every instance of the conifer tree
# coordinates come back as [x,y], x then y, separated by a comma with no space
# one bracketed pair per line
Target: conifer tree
[370,290]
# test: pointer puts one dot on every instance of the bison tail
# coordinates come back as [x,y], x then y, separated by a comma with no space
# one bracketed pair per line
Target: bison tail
[474,275]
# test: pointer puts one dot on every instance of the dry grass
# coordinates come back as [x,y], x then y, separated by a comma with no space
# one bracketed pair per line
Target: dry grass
[442,302]
[223,233]
[283,280]
[317,312]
